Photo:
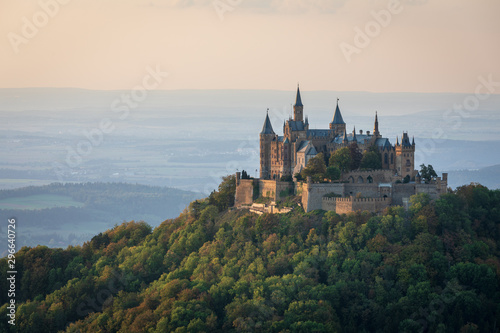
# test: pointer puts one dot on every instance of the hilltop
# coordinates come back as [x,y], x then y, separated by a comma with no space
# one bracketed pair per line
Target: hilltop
[435,267]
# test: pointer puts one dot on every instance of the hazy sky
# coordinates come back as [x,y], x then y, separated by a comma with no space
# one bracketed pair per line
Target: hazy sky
[422,46]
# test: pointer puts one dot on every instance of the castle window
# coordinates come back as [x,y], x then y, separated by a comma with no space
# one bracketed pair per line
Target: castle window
[351,179]
[408,163]
[386,160]
[369,179]
[360,180]
[392,158]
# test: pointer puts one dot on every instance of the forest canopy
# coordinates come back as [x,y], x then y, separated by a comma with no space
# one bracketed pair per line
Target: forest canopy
[433,268]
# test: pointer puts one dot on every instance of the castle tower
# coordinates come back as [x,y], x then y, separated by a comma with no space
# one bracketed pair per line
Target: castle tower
[405,157]
[266,137]
[376,133]
[337,126]
[298,108]
[287,171]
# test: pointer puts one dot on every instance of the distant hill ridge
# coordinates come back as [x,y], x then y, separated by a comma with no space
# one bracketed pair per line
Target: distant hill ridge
[101,206]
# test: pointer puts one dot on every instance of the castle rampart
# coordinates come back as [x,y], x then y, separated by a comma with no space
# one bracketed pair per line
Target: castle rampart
[350,204]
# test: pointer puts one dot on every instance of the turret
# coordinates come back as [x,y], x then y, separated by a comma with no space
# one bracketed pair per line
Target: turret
[298,108]
[266,137]
[405,157]
[337,125]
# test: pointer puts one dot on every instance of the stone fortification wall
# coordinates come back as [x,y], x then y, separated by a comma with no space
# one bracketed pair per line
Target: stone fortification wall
[274,189]
[312,194]
[283,189]
[329,204]
[402,191]
[244,192]
[366,190]
[343,205]
[267,189]
[377,176]
[347,205]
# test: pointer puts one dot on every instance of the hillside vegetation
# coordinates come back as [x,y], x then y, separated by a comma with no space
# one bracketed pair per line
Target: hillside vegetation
[434,268]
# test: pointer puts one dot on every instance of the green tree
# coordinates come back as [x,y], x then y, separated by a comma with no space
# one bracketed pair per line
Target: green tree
[427,173]
[342,159]
[333,173]
[224,197]
[316,168]
[371,160]
[356,156]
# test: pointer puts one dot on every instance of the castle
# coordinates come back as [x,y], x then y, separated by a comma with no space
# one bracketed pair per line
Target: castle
[283,157]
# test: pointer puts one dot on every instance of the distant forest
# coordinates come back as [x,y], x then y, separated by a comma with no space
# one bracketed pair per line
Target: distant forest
[103,204]
[432,268]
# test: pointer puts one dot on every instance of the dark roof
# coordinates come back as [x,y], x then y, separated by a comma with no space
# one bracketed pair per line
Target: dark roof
[339,139]
[267,128]
[307,147]
[315,133]
[302,144]
[296,125]
[383,143]
[405,140]
[337,117]
[298,100]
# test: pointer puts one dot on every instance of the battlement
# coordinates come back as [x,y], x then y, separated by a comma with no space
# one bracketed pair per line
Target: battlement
[370,176]
[369,172]
[358,200]
[352,204]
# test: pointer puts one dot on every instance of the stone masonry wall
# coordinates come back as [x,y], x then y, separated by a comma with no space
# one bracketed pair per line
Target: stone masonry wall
[329,204]
[343,206]
[347,205]
[267,189]
[378,176]
[244,192]
[312,194]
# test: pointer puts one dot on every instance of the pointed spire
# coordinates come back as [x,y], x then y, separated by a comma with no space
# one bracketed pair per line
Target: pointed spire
[298,100]
[307,121]
[413,141]
[267,128]
[375,128]
[345,137]
[354,135]
[337,117]
[397,140]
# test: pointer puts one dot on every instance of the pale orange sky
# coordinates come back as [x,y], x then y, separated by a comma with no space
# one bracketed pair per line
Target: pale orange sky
[429,46]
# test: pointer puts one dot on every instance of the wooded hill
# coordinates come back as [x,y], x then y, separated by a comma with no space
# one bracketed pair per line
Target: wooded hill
[434,268]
